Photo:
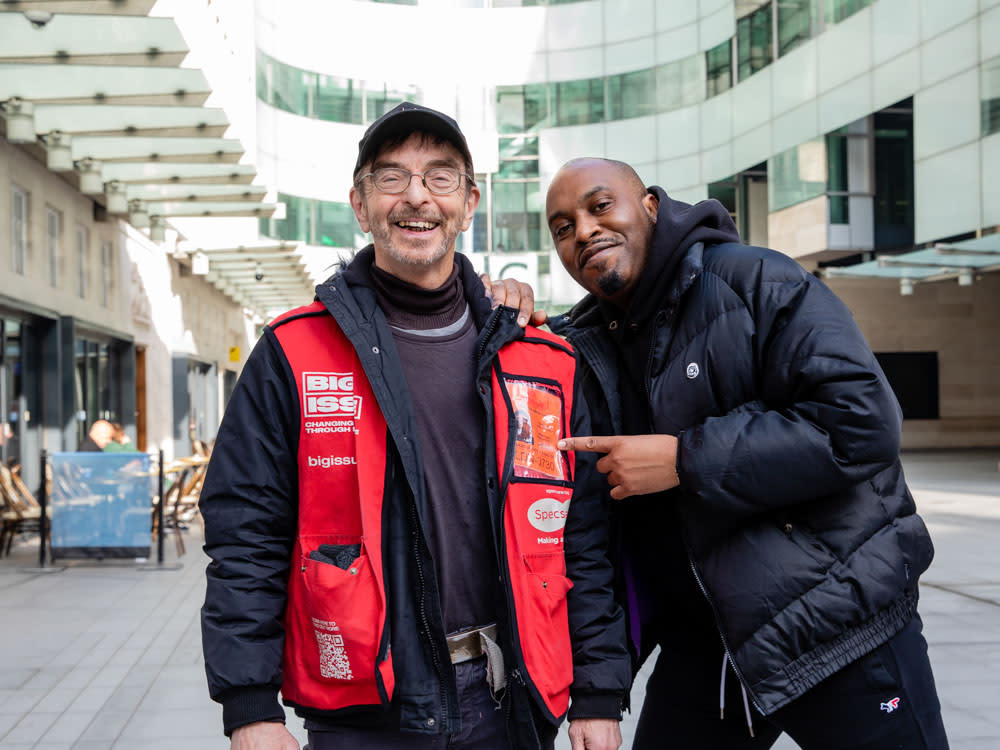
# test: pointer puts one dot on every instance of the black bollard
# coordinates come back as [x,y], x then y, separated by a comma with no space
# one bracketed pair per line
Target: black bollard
[159,513]
[43,519]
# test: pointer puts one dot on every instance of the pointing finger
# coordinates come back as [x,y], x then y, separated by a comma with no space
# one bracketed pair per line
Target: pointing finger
[591,444]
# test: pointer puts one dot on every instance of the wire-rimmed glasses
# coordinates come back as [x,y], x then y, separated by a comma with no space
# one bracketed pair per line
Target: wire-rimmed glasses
[438,180]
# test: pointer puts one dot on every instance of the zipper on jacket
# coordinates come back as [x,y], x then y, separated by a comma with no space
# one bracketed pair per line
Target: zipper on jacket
[487,333]
[422,609]
[722,635]
[383,647]
[661,319]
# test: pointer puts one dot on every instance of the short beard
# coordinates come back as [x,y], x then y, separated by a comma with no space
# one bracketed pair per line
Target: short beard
[610,283]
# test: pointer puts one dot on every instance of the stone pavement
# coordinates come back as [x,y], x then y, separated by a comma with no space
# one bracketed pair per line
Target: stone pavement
[97,656]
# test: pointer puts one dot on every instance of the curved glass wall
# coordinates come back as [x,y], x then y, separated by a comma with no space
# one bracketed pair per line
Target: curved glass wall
[324,97]
[487,3]
[583,101]
[989,82]
[315,222]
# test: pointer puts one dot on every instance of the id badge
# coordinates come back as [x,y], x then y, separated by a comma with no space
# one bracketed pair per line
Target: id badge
[538,427]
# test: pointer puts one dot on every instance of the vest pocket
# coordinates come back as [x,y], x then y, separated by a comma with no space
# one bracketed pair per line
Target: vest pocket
[544,628]
[341,607]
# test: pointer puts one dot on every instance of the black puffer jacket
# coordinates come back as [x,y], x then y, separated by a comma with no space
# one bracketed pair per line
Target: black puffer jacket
[792,504]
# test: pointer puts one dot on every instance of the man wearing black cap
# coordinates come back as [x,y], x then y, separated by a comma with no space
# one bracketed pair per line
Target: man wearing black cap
[397,543]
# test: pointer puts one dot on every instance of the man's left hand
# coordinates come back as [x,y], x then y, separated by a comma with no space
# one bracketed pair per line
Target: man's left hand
[635,464]
[595,734]
[514,293]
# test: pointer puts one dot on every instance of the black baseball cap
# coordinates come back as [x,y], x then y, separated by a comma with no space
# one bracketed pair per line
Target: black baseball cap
[408,118]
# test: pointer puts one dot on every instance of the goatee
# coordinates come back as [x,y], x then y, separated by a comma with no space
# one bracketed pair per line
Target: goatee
[611,283]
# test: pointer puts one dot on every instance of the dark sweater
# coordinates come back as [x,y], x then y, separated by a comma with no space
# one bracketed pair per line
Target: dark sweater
[436,338]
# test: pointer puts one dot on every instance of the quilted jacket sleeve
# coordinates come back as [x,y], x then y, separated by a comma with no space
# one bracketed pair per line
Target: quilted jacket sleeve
[249,506]
[601,664]
[822,418]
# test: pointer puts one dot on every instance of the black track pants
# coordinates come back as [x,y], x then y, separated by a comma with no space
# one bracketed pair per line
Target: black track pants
[885,700]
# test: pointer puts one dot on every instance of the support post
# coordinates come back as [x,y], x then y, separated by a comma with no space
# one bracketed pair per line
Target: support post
[43,501]
[159,511]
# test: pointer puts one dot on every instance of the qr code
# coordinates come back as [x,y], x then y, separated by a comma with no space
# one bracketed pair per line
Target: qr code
[333,661]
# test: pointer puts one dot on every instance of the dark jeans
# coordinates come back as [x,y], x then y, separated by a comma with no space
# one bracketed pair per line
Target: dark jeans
[483,726]
[846,711]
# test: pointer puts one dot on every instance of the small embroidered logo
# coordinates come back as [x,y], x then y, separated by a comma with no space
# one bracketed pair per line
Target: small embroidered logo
[890,706]
[692,371]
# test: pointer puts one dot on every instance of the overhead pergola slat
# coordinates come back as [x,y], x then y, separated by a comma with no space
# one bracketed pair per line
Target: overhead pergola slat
[130,120]
[106,84]
[93,90]
[233,208]
[285,281]
[91,40]
[142,149]
[196,193]
[150,173]
[89,7]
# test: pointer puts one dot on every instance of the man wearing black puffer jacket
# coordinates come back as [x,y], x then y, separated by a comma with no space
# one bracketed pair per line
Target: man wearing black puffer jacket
[765,530]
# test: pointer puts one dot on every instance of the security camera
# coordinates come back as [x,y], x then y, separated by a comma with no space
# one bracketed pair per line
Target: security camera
[259,273]
[38,18]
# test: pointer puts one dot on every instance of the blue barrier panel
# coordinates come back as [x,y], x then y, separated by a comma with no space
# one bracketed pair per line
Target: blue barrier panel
[101,505]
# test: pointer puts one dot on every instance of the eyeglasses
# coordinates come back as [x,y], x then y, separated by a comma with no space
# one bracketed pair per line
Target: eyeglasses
[438,180]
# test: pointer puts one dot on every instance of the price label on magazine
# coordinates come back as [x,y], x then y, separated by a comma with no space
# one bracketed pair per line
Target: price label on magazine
[538,426]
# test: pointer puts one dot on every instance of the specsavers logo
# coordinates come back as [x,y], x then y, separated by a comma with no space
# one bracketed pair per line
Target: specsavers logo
[548,514]
[330,394]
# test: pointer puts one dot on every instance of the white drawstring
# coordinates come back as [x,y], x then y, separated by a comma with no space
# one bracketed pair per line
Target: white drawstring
[722,689]
[746,710]
[722,697]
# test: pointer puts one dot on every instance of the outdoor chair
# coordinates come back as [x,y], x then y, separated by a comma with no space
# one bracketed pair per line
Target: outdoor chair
[19,512]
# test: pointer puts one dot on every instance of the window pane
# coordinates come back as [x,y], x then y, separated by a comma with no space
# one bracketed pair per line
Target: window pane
[680,83]
[290,88]
[82,261]
[989,95]
[510,109]
[297,222]
[519,168]
[18,230]
[336,225]
[797,175]
[337,100]
[518,146]
[719,70]
[632,94]
[798,21]
[579,102]
[837,10]
[53,230]
[510,212]
[754,42]
[382,99]
[107,264]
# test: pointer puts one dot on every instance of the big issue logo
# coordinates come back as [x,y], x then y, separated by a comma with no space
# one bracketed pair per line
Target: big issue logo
[330,394]
[548,514]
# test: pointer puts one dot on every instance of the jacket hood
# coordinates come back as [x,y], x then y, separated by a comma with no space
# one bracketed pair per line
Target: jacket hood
[679,225]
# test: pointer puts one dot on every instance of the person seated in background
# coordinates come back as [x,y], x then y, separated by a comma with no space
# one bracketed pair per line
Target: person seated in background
[101,433]
[120,442]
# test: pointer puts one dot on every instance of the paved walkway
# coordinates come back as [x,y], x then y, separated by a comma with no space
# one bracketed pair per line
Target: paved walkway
[99,656]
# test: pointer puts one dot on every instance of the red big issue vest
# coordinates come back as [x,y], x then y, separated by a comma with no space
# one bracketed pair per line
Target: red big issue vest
[336,614]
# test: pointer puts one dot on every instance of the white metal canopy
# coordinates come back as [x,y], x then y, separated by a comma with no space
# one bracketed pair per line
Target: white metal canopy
[95,90]
[954,260]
